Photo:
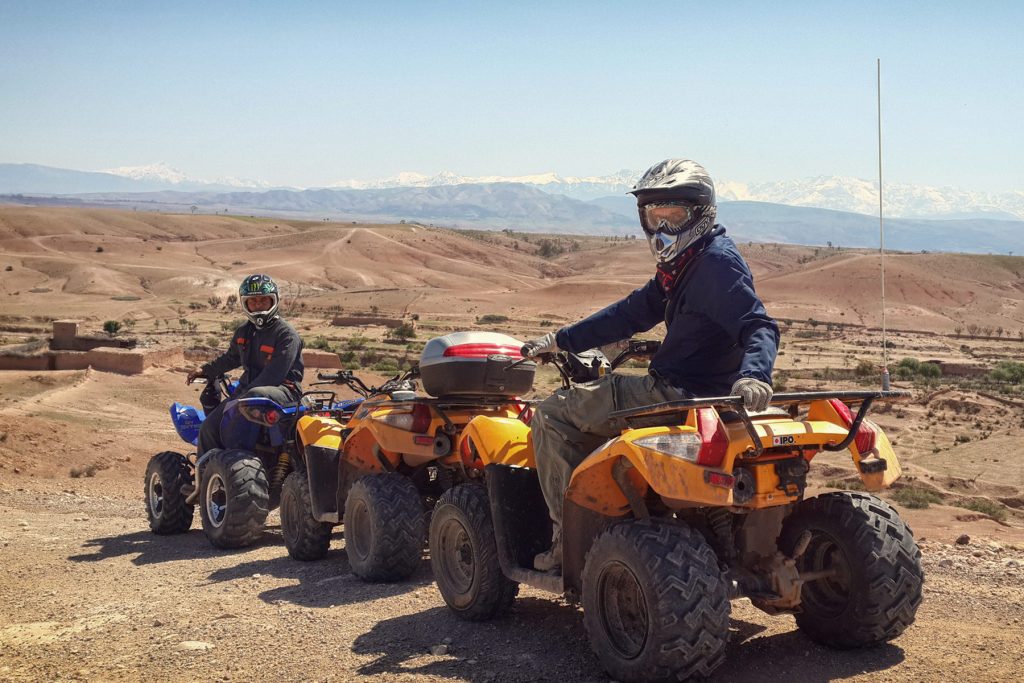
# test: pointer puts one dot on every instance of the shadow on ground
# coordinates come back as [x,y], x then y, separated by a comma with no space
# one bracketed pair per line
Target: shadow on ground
[323,583]
[150,548]
[543,639]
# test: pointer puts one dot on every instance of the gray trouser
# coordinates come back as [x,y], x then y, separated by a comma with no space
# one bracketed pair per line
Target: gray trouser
[570,424]
[209,431]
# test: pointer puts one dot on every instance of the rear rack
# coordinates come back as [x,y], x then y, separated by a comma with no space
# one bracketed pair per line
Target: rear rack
[674,412]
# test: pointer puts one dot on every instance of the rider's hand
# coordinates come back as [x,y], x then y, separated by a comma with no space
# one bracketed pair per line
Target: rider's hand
[193,375]
[535,347]
[754,392]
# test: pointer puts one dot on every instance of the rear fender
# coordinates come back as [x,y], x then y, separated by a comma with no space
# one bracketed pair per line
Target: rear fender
[320,440]
[362,452]
[883,450]
[500,440]
[593,485]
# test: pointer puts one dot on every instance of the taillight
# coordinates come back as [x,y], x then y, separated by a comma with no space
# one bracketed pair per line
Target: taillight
[481,350]
[706,447]
[865,439]
[416,420]
[714,441]
[421,417]
[271,416]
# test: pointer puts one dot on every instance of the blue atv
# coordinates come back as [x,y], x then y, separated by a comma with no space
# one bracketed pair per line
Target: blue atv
[240,484]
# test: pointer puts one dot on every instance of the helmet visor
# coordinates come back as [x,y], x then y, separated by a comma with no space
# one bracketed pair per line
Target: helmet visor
[670,218]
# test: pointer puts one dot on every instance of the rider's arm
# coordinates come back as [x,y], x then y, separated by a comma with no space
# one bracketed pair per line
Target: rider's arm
[287,346]
[727,297]
[641,310]
[229,360]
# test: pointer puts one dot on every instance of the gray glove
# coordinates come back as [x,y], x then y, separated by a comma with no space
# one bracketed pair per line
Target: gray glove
[754,392]
[545,344]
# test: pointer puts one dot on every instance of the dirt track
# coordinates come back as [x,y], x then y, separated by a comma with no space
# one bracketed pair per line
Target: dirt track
[88,593]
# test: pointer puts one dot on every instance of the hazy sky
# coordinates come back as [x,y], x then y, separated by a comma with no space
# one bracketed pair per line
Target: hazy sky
[307,93]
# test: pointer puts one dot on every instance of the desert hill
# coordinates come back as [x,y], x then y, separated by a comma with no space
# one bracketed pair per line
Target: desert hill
[63,261]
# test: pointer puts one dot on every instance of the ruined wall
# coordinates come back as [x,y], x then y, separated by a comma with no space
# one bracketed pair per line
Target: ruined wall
[314,358]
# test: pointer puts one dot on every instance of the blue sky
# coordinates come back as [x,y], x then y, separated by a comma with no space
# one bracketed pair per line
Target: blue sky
[307,93]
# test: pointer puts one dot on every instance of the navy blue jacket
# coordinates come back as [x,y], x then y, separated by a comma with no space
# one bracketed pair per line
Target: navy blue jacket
[718,329]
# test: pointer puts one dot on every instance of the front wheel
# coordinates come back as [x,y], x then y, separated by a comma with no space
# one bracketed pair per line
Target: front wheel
[873,587]
[464,555]
[166,509]
[305,538]
[655,604]
[384,529]
[234,498]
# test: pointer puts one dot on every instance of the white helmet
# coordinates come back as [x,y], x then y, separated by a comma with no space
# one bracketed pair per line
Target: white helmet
[676,201]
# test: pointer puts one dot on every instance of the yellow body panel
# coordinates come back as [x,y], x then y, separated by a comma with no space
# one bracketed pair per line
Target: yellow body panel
[873,481]
[501,440]
[319,431]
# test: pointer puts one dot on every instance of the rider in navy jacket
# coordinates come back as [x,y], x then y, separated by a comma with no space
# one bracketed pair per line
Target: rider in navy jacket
[717,328]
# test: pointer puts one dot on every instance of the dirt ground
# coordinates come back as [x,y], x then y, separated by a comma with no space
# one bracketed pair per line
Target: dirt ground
[88,593]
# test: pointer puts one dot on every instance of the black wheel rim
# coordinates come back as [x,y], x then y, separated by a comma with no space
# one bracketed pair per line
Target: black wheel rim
[156,495]
[358,530]
[623,609]
[216,500]
[830,595]
[458,559]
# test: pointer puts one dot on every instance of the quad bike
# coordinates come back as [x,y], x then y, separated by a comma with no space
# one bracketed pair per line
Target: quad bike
[239,484]
[381,472]
[696,502]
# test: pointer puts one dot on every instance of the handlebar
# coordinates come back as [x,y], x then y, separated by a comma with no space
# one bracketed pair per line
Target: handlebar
[349,379]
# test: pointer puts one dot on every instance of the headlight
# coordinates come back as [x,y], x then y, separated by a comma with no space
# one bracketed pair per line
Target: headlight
[685,445]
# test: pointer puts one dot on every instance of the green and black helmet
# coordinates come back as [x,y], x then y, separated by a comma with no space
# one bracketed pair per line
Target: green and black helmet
[259,286]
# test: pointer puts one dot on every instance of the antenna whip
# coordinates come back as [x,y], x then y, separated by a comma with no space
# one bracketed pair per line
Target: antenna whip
[881,230]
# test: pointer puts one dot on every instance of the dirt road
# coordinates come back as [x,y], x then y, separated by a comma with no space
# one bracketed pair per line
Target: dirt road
[87,593]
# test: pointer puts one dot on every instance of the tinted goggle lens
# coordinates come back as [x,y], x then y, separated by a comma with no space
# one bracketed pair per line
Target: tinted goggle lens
[667,218]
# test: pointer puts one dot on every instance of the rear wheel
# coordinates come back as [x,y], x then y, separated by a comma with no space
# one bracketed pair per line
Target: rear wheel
[166,509]
[234,498]
[384,527]
[304,537]
[655,604]
[875,582]
[464,555]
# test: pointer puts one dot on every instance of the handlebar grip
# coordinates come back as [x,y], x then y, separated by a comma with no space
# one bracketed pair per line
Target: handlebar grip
[527,351]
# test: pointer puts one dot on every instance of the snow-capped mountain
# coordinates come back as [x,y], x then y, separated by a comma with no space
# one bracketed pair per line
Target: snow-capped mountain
[588,187]
[161,173]
[824,192]
[861,196]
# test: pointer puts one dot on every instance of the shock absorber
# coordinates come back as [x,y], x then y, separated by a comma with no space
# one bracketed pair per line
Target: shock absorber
[280,471]
[720,524]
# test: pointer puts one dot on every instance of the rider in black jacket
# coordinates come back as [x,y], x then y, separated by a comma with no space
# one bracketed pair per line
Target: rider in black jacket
[267,348]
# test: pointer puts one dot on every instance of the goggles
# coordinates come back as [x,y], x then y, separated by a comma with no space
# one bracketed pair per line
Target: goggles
[669,218]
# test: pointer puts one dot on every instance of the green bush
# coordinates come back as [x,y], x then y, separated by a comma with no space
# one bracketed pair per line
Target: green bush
[356,342]
[112,327]
[404,331]
[1008,371]
[386,365]
[986,507]
[321,342]
[491,318]
[851,485]
[915,497]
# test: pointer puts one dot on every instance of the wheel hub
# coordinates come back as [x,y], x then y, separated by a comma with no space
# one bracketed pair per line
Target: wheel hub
[216,500]
[456,555]
[623,609]
[156,495]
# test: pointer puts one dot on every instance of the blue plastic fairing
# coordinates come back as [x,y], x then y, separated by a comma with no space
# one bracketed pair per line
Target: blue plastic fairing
[187,421]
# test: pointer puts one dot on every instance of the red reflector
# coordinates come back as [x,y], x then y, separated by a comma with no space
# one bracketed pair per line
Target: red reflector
[481,350]
[719,479]
[271,416]
[526,416]
[421,418]
[865,439]
[423,440]
[713,438]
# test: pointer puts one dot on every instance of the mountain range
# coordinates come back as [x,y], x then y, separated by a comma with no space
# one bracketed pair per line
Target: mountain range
[826,192]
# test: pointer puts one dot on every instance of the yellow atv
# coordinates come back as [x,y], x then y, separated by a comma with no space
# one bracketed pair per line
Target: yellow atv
[695,503]
[382,470]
